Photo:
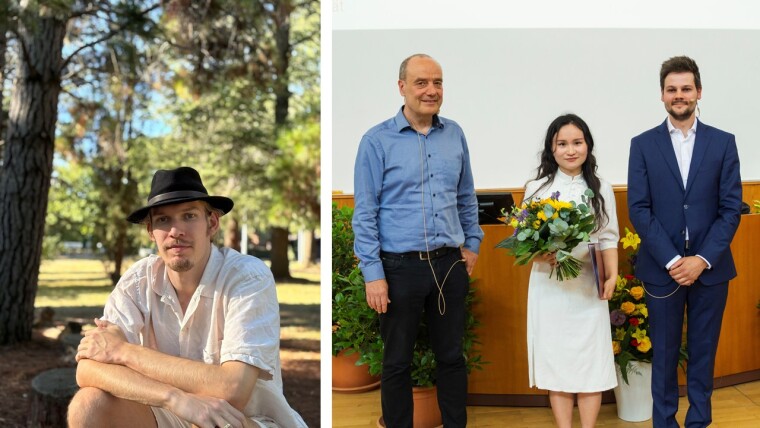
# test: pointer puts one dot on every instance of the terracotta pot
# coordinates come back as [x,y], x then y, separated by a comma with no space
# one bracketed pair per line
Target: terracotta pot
[347,377]
[426,411]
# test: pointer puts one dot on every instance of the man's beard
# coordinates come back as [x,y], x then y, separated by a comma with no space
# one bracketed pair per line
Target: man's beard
[685,115]
[181,265]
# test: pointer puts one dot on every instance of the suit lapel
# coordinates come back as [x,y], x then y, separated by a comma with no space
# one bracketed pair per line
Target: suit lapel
[666,148]
[701,141]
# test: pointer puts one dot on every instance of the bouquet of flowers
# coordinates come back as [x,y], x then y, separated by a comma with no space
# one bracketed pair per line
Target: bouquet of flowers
[629,316]
[550,226]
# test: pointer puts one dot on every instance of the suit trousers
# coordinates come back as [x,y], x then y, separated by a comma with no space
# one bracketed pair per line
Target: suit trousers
[412,290]
[704,306]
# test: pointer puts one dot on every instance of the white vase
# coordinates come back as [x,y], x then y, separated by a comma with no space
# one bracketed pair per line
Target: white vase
[634,399]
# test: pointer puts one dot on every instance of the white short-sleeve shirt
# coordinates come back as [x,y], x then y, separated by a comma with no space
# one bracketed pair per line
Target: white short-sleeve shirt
[233,315]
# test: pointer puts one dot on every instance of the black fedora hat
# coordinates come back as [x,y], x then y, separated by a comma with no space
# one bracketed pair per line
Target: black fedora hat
[175,186]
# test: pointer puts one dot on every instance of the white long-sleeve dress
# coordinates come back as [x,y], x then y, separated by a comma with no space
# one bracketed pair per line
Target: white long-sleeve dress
[569,342]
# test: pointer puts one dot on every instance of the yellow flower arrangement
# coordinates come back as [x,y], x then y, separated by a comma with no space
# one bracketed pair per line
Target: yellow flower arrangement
[629,315]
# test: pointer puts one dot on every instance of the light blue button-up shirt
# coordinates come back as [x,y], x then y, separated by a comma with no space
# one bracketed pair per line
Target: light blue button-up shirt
[401,174]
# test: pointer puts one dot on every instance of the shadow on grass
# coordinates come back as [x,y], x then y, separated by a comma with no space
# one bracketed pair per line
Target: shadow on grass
[296,280]
[299,315]
[71,292]
[51,279]
[302,345]
[75,313]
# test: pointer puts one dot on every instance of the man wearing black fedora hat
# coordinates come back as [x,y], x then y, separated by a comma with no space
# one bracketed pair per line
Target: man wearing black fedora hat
[189,336]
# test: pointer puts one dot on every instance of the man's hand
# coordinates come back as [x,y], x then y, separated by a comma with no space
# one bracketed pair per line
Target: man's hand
[469,260]
[377,295]
[206,411]
[686,270]
[103,343]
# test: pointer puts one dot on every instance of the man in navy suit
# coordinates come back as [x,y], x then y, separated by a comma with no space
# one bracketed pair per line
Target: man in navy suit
[684,199]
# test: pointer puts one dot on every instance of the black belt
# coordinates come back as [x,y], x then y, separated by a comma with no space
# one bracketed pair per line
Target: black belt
[420,255]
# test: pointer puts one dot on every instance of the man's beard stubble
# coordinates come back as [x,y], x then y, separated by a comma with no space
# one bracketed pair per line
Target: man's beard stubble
[182,265]
[682,116]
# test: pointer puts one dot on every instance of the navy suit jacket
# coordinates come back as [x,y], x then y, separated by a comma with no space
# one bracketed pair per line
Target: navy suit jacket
[661,209]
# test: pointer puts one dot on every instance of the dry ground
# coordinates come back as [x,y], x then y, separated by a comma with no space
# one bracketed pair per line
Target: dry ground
[20,363]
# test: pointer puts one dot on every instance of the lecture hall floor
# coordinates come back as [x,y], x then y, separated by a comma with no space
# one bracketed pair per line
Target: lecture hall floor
[735,406]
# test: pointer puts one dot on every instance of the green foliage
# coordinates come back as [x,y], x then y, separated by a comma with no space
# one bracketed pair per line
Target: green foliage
[355,326]
[293,196]
[343,259]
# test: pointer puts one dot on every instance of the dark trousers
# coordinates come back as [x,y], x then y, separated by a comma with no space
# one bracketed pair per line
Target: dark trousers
[704,309]
[412,290]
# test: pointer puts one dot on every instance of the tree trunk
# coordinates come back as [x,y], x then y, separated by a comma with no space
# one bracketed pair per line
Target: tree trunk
[3,115]
[280,263]
[118,251]
[27,168]
[315,251]
[282,12]
[232,234]
[279,256]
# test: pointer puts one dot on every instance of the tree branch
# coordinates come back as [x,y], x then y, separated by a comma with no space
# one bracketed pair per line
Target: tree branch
[109,35]
[305,38]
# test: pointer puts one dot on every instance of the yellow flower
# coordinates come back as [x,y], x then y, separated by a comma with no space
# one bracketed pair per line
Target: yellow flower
[644,344]
[643,309]
[630,240]
[639,334]
[616,347]
[619,334]
[514,222]
[555,215]
[620,283]
[536,224]
[628,308]
[637,292]
[541,215]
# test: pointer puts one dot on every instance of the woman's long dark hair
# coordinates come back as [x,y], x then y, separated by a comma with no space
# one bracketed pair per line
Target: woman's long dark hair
[549,166]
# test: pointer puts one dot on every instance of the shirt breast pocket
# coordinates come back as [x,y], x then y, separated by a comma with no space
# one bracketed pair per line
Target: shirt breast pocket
[451,166]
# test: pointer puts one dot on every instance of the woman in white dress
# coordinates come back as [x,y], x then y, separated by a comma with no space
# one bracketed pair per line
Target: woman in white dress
[569,341]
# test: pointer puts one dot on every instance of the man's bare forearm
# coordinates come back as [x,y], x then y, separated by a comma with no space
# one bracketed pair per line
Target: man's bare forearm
[123,382]
[233,381]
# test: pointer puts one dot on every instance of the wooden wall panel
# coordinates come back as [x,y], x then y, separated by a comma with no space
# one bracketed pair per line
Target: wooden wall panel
[739,346]
[502,289]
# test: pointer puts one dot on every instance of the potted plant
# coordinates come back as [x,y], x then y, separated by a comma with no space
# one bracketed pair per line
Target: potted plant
[355,326]
[631,344]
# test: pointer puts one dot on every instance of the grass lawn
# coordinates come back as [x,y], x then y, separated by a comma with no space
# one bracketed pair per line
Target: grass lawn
[72,285]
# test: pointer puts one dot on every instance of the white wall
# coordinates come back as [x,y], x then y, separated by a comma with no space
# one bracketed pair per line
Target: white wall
[505,85]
